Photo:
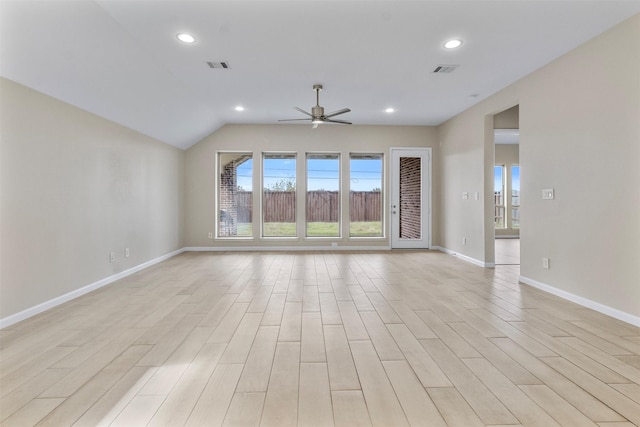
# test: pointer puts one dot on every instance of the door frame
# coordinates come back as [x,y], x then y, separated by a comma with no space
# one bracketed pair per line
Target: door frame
[426,178]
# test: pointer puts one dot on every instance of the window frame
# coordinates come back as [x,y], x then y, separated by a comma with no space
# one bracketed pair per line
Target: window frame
[338,197]
[500,206]
[293,155]
[514,207]
[218,226]
[382,196]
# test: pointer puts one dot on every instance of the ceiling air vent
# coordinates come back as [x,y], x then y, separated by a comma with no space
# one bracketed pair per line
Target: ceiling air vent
[219,65]
[445,69]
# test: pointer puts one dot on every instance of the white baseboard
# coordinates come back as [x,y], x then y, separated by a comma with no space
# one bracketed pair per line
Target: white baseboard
[25,314]
[601,308]
[283,248]
[32,311]
[465,257]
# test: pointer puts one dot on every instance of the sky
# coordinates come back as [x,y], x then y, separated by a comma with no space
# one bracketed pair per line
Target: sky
[366,175]
[515,178]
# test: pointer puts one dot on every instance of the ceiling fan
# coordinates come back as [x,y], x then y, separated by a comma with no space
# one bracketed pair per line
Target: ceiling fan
[317,115]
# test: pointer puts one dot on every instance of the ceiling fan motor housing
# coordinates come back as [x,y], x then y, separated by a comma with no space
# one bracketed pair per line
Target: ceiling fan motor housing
[317,111]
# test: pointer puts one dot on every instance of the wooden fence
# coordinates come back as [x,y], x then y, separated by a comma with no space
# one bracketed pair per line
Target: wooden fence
[279,206]
[365,206]
[322,206]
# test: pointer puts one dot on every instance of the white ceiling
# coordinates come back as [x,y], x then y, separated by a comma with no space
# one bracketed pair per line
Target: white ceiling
[122,61]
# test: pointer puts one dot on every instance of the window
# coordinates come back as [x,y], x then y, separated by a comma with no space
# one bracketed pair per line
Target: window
[323,195]
[235,194]
[515,196]
[498,195]
[279,195]
[365,195]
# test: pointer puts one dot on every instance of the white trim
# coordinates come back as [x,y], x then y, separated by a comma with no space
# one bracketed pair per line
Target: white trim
[32,311]
[426,180]
[506,136]
[25,314]
[601,308]
[465,257]
[283,248]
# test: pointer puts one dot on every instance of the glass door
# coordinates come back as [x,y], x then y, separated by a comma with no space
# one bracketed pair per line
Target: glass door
[410,198]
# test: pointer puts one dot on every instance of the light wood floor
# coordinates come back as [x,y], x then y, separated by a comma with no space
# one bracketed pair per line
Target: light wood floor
[320,339]
[507,251]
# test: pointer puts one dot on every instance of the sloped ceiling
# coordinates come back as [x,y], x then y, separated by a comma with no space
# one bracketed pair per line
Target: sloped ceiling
[121,59]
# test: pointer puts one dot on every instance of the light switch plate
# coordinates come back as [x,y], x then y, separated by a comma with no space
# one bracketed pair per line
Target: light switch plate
[465,195]
[548,194]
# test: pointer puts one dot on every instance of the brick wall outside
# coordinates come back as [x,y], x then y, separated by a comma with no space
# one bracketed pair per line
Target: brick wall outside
[410,202]
[228,201]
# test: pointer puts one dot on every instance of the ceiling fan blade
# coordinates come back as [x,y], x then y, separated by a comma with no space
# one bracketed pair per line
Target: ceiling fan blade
[338,121]
[302,111]
[317,115]
[335,113]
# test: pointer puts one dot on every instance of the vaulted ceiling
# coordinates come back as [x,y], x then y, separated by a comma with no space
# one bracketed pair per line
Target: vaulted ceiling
[121,59]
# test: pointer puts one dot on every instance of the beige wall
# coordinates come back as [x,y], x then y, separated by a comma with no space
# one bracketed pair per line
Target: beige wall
[75,187]
[507,155]
[462,171]
[579,134]
[201,159]
[507,119]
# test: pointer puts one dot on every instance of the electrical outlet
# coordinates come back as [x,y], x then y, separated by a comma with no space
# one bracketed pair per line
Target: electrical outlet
[210,235]
[112,256]
[546,263]
[126,252]
[465,195]
[548,194]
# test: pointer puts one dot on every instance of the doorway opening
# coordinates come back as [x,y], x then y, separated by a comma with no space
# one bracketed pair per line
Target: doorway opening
[410,198]
[506,186]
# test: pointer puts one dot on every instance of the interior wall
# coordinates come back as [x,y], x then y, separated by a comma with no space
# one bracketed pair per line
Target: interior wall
[579,133]
[507,119]
[462,171]
[201,179]
[74,188]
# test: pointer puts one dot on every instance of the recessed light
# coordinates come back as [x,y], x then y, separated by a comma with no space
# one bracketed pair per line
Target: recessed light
[186,38]
[452,44]
[239,108]
[389,110]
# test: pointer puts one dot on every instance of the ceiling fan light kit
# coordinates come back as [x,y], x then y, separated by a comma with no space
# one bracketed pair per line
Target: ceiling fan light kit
[317,115]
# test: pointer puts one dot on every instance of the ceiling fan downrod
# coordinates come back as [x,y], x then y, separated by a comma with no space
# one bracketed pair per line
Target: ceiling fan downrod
[317,111]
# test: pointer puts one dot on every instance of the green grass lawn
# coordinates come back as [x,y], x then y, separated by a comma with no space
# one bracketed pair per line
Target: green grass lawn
[279,229]
[314,229]
[366,229]
[323,229]
[244,229]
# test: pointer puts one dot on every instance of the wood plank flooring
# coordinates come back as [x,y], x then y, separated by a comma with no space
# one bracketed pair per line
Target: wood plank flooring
[281,339]
[507,251]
